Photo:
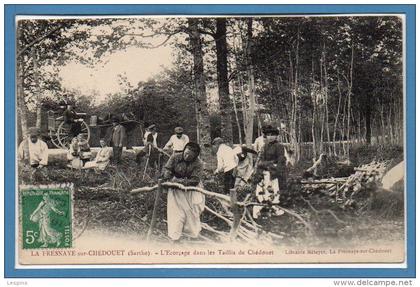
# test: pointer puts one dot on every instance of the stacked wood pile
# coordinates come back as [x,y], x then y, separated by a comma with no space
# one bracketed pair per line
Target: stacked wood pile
[344,190]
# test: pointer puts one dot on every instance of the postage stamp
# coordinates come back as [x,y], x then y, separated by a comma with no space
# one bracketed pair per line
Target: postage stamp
[46,216]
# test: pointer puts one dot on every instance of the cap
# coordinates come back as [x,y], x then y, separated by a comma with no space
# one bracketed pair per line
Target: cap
[33,131]
[179,130]
[217,140]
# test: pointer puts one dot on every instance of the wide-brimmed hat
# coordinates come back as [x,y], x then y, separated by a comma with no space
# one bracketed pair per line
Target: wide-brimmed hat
[179,130]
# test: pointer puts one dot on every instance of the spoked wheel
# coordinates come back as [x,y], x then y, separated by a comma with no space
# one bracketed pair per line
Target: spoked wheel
[54,138]
[64,136]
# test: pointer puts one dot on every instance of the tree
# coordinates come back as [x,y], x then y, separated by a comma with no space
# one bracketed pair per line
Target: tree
[200,88]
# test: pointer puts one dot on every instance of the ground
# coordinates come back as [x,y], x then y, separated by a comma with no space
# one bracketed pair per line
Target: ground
[102,202]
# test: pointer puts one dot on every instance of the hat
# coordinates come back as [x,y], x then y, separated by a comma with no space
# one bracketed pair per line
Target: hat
[217,140]
[151,127]
[271,131]
[115,120]
[193,146]
[179,130]
[33,131]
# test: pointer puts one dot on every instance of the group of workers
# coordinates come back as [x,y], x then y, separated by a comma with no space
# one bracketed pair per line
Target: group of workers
[267,169]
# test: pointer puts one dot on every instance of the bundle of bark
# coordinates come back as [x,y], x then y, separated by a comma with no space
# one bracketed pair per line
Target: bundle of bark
[344,190]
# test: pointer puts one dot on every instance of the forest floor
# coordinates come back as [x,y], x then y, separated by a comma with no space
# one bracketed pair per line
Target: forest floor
[102,203]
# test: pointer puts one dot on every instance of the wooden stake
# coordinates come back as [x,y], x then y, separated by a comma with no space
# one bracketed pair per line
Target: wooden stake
[153,221]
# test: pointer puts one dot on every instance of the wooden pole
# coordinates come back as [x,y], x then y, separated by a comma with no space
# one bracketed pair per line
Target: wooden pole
[153,221]
[147,162]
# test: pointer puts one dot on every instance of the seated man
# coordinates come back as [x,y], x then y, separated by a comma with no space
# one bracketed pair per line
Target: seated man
[73,154]
[102,158]
[184,207]
[84,149]
[33,150]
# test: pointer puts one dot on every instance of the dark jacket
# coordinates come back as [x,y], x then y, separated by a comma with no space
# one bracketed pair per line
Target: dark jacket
[188,173]
[69,116]
[273,160]
[119,136]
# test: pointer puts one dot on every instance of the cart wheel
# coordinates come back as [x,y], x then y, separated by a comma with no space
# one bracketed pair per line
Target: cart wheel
[64,137]
[54,139]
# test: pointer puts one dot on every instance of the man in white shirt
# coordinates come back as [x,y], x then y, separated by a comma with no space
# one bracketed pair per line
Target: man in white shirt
[260,141]
[151,130]
[178,141]
[33,150]
[227,161]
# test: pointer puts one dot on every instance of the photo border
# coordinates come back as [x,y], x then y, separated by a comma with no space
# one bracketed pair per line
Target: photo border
[11,11]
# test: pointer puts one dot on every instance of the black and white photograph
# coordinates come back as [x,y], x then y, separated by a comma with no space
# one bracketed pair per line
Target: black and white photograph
[211,139]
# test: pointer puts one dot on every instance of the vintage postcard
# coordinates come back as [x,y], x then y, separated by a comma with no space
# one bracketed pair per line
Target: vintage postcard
[210,140]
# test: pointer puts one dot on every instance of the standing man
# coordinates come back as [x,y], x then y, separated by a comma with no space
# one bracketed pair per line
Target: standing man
[272,157]
[178,141]
[118,140]
[259,141]
[33,150]
[184,207]
[270,173]
[227,161]
[244,170]
[72,120]
[151,130]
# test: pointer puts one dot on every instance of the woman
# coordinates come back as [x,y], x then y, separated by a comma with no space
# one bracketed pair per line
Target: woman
[184,207]
[102,158]
[41,215]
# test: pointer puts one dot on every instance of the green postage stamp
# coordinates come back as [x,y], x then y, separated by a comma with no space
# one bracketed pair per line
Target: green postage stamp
[46,216]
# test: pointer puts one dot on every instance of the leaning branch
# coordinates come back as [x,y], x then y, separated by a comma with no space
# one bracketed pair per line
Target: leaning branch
[38,40]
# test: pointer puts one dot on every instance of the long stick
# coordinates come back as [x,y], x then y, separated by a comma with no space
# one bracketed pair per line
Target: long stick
[147,162]
[176,185]
[153,221]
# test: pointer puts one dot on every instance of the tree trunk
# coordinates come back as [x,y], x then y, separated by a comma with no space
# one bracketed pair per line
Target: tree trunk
[222,80]
[235,109]
[37,94]
[368,122]
[249,130]
[200,90]
[349,100]
[337,115]
[326,103]
[21,106]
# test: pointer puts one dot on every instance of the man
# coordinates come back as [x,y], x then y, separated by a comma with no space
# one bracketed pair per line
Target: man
[177,141]
[259,141]
[245,169]
[226,163]
[151,130]
[272,157]
[184,207]
[33,150]
[150,153]
[271,171]
[118,140]
[72,120]
[102,158]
